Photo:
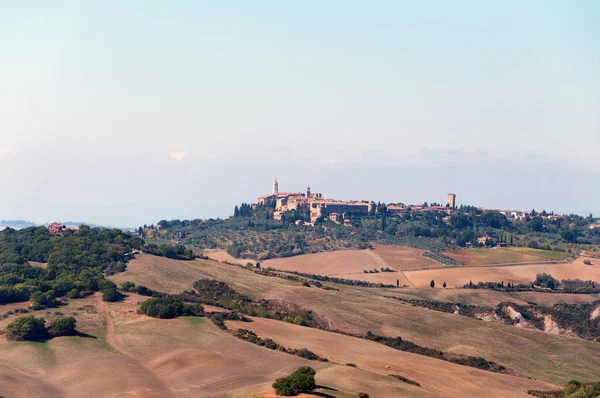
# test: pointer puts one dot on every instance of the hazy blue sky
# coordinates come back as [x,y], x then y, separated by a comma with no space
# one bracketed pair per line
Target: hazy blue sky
[125,113]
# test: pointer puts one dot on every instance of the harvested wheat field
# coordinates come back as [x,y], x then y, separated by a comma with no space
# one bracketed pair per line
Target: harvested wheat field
[223,256]
[551,358]
[436,376]
[127,354]
[346,264]
[458,277]
[137,356]
[404,258]
[336,263]
[491,297]
[505,256]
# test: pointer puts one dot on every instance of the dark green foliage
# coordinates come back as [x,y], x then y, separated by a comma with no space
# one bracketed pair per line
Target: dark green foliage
[41,300]
[341,281]
[64,326]
[76,262]
[545,280]
[573,317]
[212,292]
[301,381]
[405,380]
[219,318]
[451,308]
[432,284]
[363,395]
[575,389]
[177,252]
[111,295]
[403,345]
[439,257]
[27,328]
[251,337]
[169,307]
[543,283]
[128,287]
[525,310]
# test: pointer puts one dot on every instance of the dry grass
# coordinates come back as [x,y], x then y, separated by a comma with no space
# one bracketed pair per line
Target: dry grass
[346,264]
[457,277]
[555,359]
[456,380]
[404,258]
[223,256]
[498,256]
[337,263]
[490,297]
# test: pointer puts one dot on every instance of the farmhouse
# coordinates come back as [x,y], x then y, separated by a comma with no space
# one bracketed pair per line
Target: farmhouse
[56,228]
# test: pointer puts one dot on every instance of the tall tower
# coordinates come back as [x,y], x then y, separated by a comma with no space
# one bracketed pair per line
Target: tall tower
[275,187]
[452,200]
[308,192]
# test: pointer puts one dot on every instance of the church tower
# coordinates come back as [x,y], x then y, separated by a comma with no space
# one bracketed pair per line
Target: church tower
[275,187]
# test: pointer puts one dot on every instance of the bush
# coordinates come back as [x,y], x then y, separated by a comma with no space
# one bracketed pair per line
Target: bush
[111,295]
[64,326]
[169,307]
[363,395]
[301,381]
[587,262]
[27,328]
[41,300]
[128,287]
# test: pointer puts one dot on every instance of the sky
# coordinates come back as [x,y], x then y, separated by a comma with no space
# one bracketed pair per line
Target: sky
[125,113]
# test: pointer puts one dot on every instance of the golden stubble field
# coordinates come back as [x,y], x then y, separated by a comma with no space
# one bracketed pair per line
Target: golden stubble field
[133,355]
[551,358]
[458,277]
[435,376]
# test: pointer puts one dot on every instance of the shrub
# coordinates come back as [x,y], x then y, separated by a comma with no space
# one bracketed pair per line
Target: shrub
[27,328]
[169,307]
[432,283]
[301,381]
[64,326]
[41,300]
[128,287]
[363,395]
[587,262]
[111,295]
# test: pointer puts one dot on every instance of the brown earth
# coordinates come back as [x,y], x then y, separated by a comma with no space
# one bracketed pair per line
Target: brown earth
[436,376]
[458,277]
[404,258]
[555,359]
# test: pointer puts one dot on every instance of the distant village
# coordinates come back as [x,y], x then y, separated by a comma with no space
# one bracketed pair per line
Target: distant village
[340,211]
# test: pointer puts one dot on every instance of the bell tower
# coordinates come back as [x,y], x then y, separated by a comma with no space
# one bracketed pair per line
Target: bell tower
[308,192]
[275,187]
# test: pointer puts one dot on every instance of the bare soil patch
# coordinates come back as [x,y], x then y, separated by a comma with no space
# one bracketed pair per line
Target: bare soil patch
[404,258]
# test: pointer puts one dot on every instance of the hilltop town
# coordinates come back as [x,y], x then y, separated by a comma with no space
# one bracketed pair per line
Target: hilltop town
[339,210]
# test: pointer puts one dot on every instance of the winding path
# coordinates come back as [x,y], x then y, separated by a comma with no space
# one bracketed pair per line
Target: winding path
[110,328]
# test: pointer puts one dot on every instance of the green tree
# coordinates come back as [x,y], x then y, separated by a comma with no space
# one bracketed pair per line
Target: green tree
[111,295]
[444,285]
[301,381]
[64,326]
[432,283]
[27,328]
